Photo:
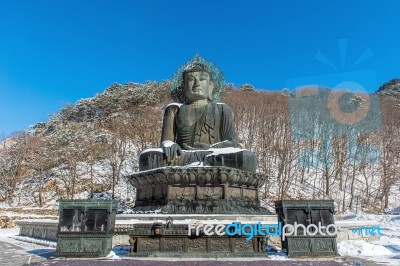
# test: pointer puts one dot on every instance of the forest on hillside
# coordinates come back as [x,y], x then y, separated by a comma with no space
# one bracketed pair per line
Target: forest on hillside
[92,145]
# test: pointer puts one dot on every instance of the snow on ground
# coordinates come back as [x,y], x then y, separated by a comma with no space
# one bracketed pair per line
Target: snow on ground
[9,235]
[385,250]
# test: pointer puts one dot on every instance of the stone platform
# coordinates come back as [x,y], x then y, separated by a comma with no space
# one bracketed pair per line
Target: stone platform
[202,190]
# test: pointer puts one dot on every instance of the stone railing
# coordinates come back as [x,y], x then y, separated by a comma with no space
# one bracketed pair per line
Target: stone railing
[43,229]
[47,229]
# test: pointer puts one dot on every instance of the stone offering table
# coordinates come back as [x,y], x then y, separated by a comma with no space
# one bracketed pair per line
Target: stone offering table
[164,235]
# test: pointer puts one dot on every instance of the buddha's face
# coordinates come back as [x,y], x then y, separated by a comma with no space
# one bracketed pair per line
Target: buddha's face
[198,86]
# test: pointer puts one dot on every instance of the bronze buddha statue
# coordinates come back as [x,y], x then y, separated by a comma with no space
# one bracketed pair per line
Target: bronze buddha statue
[196,130]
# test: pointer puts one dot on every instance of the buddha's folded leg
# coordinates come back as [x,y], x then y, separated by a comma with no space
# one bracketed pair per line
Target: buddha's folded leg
[155,158]
[244,160]
[241,159]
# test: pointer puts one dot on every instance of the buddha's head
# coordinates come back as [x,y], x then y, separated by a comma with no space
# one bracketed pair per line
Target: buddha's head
[197,83]
[196,80]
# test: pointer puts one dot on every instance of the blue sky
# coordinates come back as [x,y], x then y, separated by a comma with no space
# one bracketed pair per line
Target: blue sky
[55,52]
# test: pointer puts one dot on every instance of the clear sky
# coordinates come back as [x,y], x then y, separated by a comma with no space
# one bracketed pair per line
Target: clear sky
[55,52]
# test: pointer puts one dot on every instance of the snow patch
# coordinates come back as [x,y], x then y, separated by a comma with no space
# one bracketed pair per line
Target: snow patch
[38,241]
[175,104]
[152,149]
[356,248]
[167,143]
[113,256]
[224,151]
[385,250]
[196,164]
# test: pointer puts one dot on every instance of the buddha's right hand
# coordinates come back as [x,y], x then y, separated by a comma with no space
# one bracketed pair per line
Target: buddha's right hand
[171,150]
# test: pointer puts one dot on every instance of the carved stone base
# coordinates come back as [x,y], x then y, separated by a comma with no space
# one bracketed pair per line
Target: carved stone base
[317,246]
[83,246]
[219,190]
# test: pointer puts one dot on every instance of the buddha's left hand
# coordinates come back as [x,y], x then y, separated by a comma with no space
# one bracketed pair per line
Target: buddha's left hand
[201,146]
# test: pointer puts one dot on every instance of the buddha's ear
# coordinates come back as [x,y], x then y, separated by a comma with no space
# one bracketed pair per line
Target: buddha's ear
[210,91]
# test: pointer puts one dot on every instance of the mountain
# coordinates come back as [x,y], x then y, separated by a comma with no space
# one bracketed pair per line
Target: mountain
[390,89]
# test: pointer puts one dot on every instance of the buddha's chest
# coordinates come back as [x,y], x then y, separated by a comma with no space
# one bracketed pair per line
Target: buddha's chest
[188,116]
[197,125]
